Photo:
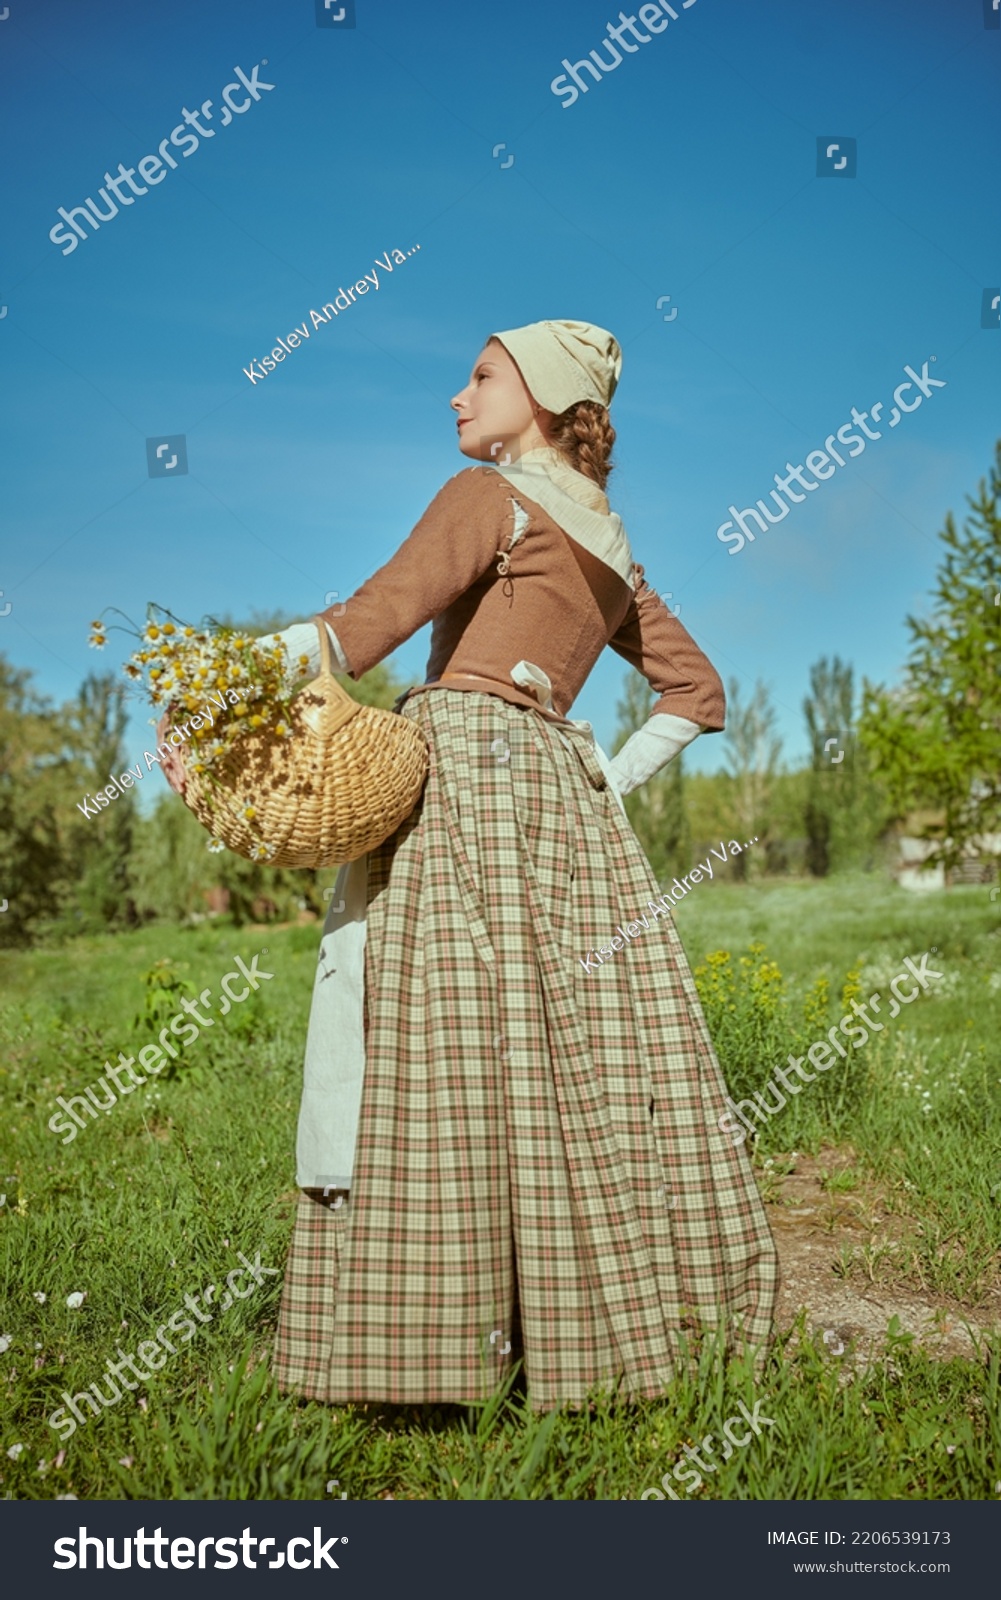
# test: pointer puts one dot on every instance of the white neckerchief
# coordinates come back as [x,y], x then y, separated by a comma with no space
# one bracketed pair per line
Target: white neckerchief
[574,502]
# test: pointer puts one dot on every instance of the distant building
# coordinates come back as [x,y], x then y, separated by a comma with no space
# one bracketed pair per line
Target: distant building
[980,866]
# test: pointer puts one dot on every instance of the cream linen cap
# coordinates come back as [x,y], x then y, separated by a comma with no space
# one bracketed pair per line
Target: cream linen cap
[563,362]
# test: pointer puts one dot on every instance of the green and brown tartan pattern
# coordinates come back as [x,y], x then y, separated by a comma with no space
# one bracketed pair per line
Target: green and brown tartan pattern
[539,1170]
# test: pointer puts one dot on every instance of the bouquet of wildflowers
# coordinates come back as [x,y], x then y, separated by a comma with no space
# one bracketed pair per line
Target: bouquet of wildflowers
[294,772]
[223,682]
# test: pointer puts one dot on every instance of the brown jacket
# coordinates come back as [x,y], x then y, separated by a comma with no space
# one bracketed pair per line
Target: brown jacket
[543,598]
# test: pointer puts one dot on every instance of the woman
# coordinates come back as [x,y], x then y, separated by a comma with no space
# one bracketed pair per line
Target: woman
[508,1144]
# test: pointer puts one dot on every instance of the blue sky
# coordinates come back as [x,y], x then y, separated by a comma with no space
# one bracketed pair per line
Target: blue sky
[689,171]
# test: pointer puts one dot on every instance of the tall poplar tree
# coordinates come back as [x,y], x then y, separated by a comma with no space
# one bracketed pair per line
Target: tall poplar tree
[98,719]
[752,749]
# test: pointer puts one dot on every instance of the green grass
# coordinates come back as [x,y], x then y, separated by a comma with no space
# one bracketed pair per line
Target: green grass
[154,1199]
[920,1101]
[812,926]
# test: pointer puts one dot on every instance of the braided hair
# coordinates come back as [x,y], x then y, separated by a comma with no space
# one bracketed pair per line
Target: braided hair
[585,436]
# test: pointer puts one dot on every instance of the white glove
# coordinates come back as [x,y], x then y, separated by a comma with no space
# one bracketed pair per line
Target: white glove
[652,747]
[302,639]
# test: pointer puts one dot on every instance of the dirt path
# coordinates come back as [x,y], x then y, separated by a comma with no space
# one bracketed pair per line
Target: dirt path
[815,1223]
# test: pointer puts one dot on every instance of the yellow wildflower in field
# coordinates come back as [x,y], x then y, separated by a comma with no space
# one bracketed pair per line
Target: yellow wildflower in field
[815,1006]
[763,978]
[852,987]
[715,979]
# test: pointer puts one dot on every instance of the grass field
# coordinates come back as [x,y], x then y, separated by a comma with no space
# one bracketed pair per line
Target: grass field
[154,1199]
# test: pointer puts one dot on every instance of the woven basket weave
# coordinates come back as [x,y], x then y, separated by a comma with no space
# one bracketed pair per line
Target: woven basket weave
[344,781]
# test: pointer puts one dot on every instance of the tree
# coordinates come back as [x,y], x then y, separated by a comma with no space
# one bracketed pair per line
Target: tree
[936,741]
[829,709]
[172,868]
[752,752]
[36,780]
[656,810]
[843,811]
[97,721]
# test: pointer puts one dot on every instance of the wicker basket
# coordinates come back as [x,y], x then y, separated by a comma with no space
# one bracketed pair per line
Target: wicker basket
[344,781]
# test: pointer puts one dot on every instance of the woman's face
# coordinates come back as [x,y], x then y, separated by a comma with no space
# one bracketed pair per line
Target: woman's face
[495,413]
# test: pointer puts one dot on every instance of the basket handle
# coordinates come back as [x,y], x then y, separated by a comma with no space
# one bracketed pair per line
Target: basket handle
[326,664]
[339,706]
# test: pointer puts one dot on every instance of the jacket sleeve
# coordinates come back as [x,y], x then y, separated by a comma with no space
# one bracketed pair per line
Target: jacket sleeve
[451,546]
[653,641]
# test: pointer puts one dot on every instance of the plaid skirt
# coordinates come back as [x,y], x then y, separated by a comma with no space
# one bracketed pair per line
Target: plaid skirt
[538,1173]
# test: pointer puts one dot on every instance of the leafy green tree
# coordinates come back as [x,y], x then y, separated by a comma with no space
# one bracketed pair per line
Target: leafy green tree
[786,844]
[656,810]
[97,721]
[751,752]
[36,776]
[936,741]
[709,811]
[172,870]
[829,709]
[844,809]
